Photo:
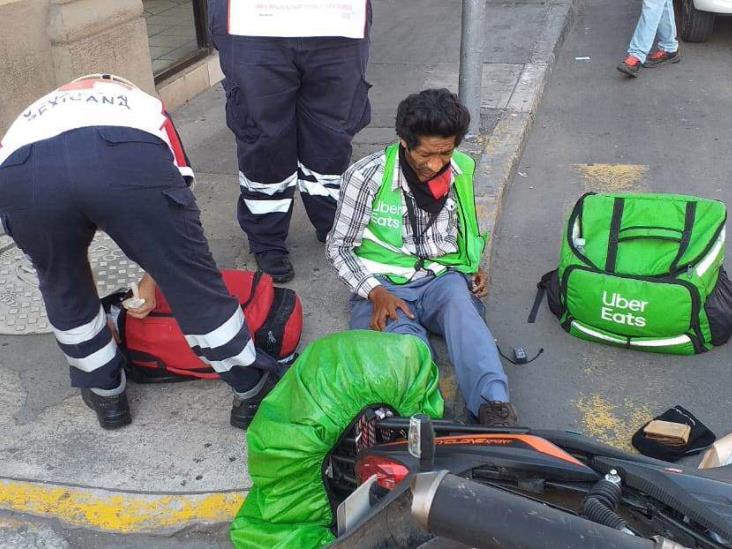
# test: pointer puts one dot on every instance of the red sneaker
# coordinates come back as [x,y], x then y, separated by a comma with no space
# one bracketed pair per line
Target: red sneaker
[659,57]
[630,66]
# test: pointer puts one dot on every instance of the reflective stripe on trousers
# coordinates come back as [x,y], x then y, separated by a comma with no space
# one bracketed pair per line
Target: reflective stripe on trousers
[89,346]
[227,346]
[264,198]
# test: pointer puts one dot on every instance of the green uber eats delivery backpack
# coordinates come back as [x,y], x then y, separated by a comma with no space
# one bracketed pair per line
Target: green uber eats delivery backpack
[643,271]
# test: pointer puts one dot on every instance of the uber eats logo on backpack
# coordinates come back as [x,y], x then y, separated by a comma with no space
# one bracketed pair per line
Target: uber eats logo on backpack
[623,310]
[387,215]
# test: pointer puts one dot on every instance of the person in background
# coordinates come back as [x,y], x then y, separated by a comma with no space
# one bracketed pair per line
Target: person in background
[99,153]
[296,94]
[657,18]
[406,242]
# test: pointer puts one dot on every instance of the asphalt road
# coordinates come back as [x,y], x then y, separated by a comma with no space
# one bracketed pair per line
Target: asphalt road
[666,131]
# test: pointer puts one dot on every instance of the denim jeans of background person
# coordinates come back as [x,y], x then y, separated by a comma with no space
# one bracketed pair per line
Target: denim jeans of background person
[407,244]
[99,153]
[295,98]
[656,19]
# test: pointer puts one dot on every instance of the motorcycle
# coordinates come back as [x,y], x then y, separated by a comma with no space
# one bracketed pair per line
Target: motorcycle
[416,482]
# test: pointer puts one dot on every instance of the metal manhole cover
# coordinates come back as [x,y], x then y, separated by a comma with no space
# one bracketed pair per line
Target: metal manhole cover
[21,305]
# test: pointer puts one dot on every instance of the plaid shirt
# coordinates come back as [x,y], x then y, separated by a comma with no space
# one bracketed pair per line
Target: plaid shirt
[360,184]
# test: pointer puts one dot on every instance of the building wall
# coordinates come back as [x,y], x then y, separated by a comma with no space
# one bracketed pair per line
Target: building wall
[26,64]
[46,43]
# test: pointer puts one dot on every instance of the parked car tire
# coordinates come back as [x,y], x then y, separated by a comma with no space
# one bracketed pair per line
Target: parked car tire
[696,26]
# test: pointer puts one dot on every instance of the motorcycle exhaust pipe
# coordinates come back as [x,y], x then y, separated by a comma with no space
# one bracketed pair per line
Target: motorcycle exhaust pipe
[485,517]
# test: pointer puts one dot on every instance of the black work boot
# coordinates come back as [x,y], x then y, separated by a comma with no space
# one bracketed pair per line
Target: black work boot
[276,264]
[246,404]
[497,414]
[111,406]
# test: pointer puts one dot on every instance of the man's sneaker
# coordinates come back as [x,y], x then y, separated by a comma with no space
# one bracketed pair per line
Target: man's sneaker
[246,405]
[112,411]
[276,264]
[497,414]
[630,66]
[660,57]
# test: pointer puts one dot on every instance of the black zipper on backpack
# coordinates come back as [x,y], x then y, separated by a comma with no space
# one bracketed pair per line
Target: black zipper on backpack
[574,216]
[282,307]
[635,227]
[695,312]
[255,282]
[567,324]
[705,251]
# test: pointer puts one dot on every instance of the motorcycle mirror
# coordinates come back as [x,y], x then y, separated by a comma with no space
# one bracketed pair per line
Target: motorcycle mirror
[421,441]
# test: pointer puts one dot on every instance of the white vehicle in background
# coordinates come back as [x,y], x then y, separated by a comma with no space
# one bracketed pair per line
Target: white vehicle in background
[697,18]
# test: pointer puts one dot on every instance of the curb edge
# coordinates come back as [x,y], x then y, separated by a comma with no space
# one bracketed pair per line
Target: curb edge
[118,511]
[505,145]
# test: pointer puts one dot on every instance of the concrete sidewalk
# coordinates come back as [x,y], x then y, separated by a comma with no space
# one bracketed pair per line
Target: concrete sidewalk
[180,462]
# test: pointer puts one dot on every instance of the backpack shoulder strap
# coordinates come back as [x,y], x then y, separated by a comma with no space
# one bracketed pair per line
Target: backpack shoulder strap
[541,288]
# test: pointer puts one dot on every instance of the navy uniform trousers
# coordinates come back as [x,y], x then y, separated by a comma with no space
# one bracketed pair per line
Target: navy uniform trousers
[54,195]
[294,105]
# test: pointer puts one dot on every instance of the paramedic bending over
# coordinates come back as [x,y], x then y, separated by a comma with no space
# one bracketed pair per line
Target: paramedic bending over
[99,153]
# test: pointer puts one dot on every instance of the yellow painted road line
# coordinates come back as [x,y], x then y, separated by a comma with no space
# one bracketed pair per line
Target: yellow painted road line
[112,511]
[612,178]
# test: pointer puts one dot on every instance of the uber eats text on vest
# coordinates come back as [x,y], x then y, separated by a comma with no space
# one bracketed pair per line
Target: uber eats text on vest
[383,246]
[387,215]
[620,309]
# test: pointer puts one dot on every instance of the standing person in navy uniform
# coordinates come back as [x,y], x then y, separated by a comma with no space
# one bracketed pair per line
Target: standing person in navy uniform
[296,94]
[99,153]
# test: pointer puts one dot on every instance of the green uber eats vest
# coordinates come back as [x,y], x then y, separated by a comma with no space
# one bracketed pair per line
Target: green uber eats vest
[644,271]
[382,249]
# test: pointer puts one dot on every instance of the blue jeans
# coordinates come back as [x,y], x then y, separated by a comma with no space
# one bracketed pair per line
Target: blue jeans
[657,17]
[445,306]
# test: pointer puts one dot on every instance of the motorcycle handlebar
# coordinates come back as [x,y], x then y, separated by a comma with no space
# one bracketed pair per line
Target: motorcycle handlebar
[485,517]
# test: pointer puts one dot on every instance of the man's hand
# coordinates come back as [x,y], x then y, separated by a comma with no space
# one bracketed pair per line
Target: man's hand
[385,307]
[146,288]
[480,284]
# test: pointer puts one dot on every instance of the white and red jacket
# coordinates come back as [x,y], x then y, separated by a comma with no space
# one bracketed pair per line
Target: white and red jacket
[94,102]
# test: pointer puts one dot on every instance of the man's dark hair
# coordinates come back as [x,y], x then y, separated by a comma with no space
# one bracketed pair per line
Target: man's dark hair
[436,113]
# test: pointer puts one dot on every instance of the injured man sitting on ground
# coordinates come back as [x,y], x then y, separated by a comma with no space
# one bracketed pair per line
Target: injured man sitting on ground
[406,242]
